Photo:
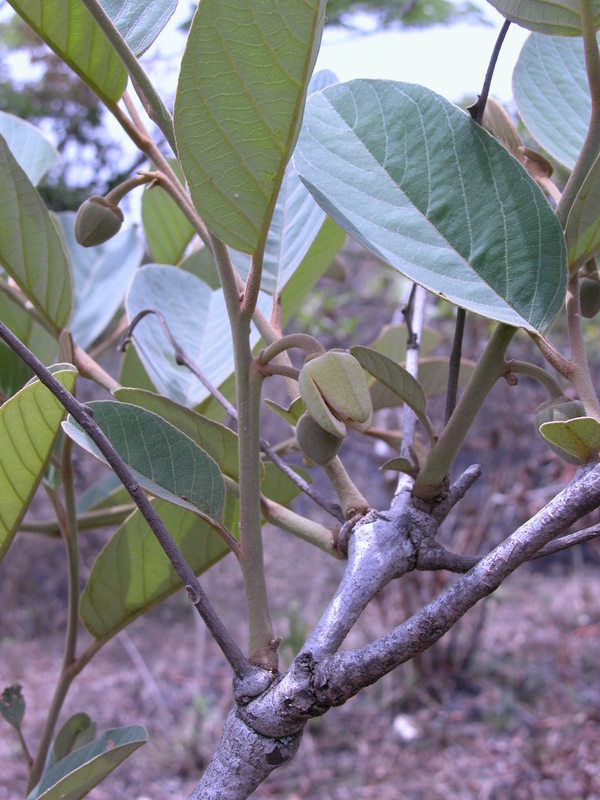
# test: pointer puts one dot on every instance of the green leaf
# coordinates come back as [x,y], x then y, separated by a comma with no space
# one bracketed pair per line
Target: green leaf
[278,487]
[31,250]
[12,705]
[29,425]
[164,461]
[582,230]
[551,91]
[76,775]
[168,231]
[78,731]
[547,16]
[197,318]
[579,437]
[202,264]
[239,103]
[33,152]
[315,264]
[296,222]
[101,275]
[139,21]
[291,414]
[14,373]
[132,573]
[395,378]
[107,491]
[68,28]
[399,464]
[133,373]
[417,182]
[433,378]
[220,442]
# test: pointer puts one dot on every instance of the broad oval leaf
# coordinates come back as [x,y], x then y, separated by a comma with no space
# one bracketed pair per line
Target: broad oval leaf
[33,152]
[197,318]
[395,378]
[316,262]
[551,91]
[547,16]
[132,574]
[31,249]
[417,182]
[101,276]
[68,28]
[218,441]
[168,231]
[239,102]
[578,438]
[76,775]
[164,461]
[29,425]
[139,21]
[296,221]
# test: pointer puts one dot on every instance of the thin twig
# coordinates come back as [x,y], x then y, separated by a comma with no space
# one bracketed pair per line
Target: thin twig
[478,108]
[455,359]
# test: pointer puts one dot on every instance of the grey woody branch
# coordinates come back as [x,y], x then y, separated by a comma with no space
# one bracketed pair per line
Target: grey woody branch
[268,727]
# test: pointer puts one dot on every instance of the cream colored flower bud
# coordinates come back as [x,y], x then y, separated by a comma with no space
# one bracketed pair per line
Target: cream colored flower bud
[335,392]
[97,221]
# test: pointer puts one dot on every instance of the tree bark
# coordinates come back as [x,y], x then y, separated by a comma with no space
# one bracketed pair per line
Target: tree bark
[264,732]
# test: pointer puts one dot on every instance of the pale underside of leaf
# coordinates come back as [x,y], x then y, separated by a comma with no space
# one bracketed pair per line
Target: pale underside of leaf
[551,91]
[32,150]
[139,21]
[197,318]
[412,178]
[547,16]
[101,276]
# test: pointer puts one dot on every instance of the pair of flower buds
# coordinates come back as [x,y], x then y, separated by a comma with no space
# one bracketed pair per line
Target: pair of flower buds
[335,393]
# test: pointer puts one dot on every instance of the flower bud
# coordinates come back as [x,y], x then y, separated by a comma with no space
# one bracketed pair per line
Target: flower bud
[97,221]
[316,444]
[335,392]
[589,297]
